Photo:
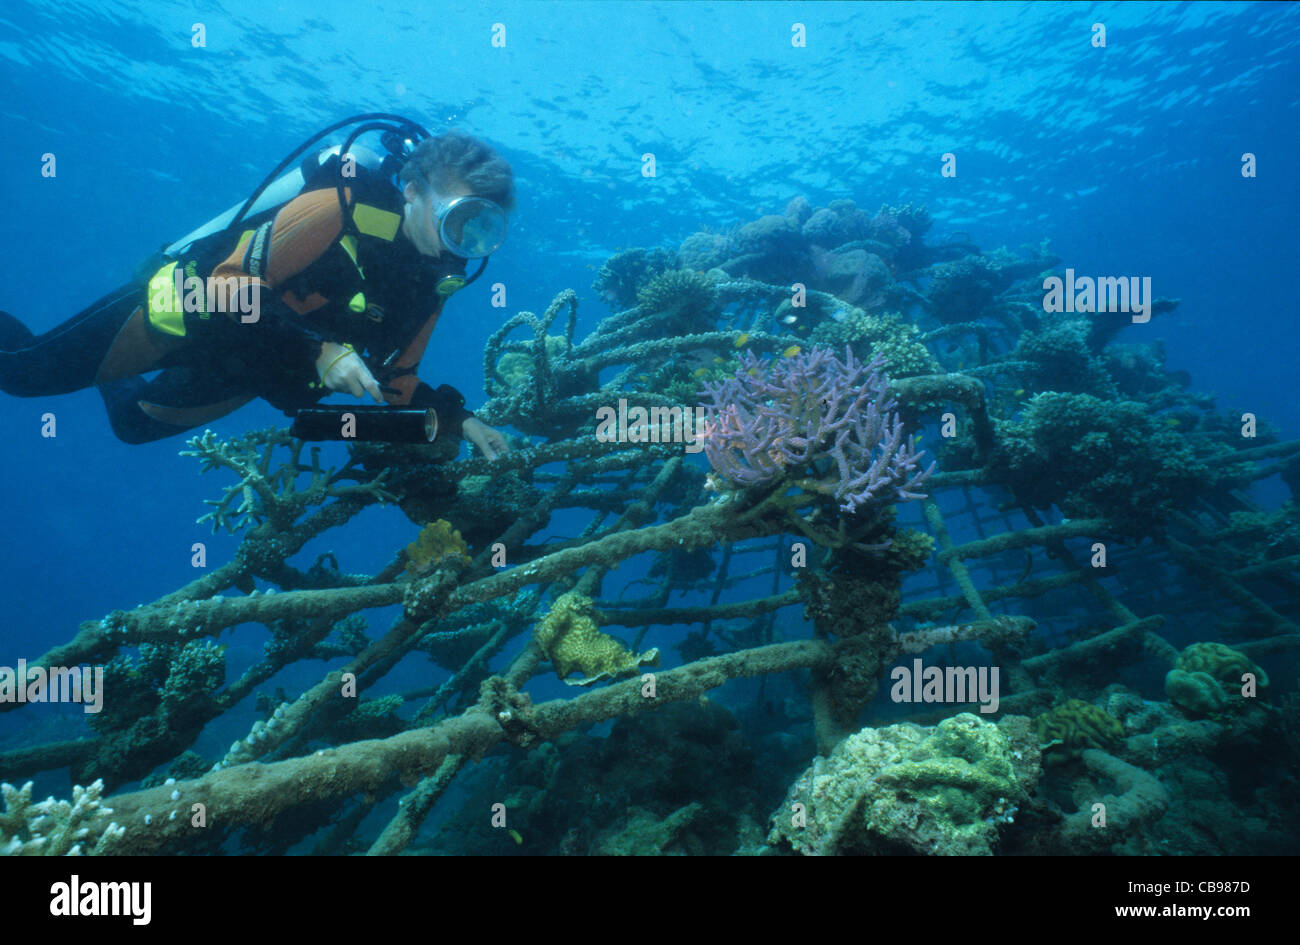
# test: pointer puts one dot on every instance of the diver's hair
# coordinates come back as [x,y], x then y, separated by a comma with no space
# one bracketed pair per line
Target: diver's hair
[455,156]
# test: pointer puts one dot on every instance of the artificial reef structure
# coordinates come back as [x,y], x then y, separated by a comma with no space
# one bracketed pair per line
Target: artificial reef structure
[1076,516]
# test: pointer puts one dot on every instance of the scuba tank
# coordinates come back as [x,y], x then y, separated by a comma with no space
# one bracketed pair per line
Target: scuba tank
[398,136]
[276,194]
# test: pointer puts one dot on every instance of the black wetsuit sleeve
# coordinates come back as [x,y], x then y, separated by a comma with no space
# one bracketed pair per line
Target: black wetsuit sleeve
[280,329]
[276,353]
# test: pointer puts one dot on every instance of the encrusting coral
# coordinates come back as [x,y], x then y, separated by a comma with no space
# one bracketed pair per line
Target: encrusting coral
[961,290]
[946,790]
[1208,679]
[1068,730]
[1098,458]
[572,640]
[1140,799]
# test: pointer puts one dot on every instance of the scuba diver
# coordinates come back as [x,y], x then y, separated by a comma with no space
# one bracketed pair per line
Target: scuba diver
[327,279]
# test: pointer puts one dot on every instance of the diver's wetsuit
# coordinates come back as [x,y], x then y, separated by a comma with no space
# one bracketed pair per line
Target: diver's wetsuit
[315,283]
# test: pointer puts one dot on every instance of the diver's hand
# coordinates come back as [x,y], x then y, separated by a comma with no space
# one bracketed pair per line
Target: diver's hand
[492,443]
[341,369]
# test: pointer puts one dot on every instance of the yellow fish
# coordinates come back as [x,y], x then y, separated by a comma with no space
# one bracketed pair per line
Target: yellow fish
[1172,422]
[717,360]
[700,372]
[791,351]
[514,835]
[1019,393]
[742,338]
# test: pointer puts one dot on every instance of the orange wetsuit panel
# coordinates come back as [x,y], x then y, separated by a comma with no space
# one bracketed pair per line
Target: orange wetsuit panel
[303,230]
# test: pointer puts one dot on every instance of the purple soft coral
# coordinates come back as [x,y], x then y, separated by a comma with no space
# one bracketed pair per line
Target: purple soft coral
[829,422]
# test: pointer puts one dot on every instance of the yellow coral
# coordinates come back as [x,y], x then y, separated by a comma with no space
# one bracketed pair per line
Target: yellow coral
[1075,726]
[1207,679]
[572,641]
[515,368]
[437,542]
[1220,662]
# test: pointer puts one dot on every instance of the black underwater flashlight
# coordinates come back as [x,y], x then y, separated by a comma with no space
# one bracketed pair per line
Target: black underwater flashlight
[367,424]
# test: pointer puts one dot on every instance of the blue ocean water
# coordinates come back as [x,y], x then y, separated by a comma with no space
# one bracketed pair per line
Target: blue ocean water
[1127,158]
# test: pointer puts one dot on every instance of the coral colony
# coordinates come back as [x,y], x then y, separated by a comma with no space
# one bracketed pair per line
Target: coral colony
[1082,605]
[813,412]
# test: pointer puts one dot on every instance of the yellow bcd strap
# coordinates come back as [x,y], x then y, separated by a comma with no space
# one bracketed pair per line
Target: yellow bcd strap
[166,311]
[373,221]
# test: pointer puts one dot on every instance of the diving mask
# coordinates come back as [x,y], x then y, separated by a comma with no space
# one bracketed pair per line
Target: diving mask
[470,227]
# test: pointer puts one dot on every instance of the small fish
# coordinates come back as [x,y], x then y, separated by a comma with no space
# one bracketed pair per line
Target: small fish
[1173,422]
[699,372]
[791,351]
[1019,393]
[514,835]
[718,360]
[839,315]
[789,319]
[742,338]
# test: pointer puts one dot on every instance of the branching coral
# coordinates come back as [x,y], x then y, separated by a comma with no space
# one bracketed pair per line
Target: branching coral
[264,493]
[56,828]
[886,335]
[160,703]
[828,424]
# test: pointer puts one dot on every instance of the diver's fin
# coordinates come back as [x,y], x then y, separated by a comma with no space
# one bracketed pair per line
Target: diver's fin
[14,335]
